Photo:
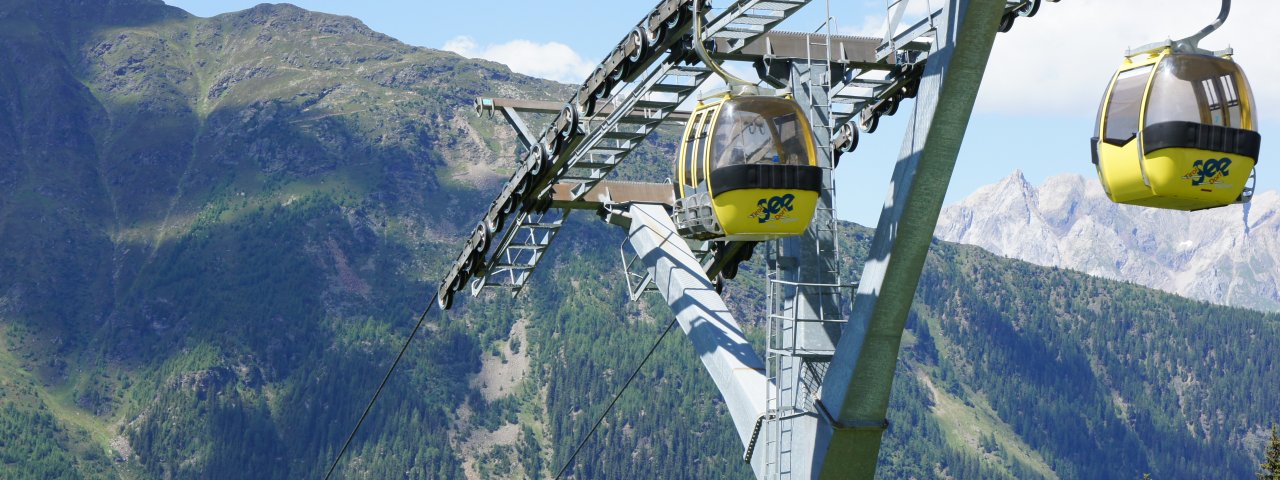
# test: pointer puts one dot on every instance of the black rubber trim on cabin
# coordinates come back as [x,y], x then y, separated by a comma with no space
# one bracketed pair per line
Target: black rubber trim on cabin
[763,175]
[1200,136]
[1093,149]
[1120,142]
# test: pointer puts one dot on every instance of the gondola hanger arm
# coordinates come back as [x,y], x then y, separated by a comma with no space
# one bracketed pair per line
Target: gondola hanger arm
[1192,43]
[736,84]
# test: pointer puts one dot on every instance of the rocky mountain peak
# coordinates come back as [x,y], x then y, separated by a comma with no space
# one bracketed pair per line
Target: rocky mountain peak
[288,17]
[1013,188]
[1017,178]
[1225,255]
[1008,210]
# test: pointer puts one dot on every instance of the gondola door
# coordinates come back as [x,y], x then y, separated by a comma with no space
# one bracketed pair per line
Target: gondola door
[1116,151]
[691,164]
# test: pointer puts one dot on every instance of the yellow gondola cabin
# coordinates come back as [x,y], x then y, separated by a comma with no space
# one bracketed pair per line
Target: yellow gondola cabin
[747,170]
[1176,130]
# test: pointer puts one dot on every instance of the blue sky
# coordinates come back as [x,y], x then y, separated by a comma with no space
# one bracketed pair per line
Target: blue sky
[1034,112]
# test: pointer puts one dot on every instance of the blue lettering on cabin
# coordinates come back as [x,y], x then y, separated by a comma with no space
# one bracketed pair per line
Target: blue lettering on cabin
[775,208]
[1211,170]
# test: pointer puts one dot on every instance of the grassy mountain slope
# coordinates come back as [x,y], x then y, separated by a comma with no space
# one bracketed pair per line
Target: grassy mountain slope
[215,233]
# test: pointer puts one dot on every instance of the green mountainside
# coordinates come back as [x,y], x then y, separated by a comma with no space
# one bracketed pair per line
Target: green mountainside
[216,233]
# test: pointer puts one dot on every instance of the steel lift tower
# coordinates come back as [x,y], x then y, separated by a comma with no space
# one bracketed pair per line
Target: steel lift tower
[815,406]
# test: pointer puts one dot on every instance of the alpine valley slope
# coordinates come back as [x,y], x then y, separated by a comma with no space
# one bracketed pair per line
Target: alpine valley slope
[216,233]
[1228,255]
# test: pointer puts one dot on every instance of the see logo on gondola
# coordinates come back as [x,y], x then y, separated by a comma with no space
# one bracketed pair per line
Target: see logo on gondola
[775,209]
[1208,171]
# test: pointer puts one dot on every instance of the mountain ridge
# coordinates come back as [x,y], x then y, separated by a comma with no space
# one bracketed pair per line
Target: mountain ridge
[1226,255]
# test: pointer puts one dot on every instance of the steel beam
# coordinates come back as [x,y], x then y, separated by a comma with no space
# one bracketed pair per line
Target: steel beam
[490,104]
[845,49]
[717,339]
[523,134]
[856,390]
[607,192]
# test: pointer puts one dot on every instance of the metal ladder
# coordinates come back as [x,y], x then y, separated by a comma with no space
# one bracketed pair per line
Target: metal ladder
[823,125]
[793,370]
[780,369]
[614,136]
[521,249]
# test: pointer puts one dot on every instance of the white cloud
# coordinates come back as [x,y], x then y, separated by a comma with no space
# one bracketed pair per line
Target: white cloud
[1060,61]
[874,25]
[551,60]
[871,26]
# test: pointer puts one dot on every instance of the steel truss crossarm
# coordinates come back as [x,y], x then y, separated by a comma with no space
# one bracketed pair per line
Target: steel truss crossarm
[644,79]
[855,392]
[718,340]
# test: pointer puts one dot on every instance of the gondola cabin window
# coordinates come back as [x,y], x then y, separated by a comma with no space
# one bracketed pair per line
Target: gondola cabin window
[1197,89]
[759,131]
[1125,105]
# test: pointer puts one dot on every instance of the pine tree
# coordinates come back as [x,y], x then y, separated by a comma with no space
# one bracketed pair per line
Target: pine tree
[1271,459]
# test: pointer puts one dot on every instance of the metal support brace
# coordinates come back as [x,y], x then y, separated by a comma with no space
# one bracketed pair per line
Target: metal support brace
[718,340]
[858,383]
[891,26]
[527,140]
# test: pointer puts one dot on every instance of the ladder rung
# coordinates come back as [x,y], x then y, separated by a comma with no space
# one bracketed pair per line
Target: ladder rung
[527,246]
[734,34]
[593,165]
[847,96]
[782,5]
[638,120]
[756,19]
[609,151]
[513,266]
[655,104]
[689,71]
[870,82]
[625,135]
[671,88]
[743,27]
[542,226]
